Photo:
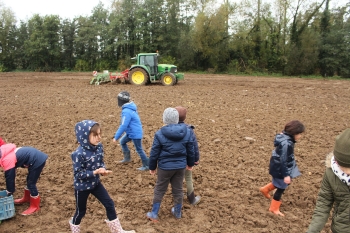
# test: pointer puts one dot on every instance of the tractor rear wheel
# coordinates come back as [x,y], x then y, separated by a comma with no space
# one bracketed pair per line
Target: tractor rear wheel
[168,79]
[138,76]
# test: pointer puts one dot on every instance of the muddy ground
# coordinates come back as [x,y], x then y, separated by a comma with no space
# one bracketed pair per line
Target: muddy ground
[235,117]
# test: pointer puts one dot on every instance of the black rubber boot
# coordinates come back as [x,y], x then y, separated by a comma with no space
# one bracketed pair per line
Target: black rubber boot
[127,157]
[194,200]
[144,165]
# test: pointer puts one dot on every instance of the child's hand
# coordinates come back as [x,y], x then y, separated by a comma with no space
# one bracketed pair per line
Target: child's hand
[102,171]
[114,141]
[196,162]
[152,172]
[106,172]
[287,180]
[189,168]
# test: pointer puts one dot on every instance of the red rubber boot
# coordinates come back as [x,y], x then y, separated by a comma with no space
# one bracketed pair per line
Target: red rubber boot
[34,206]
[25,198]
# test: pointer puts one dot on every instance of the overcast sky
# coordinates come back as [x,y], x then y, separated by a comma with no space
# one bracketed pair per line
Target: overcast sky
[24,9]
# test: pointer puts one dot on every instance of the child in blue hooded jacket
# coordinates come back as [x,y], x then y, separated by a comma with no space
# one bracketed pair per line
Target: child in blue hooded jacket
[283,167]
[88,165]
[172,152]
[130,123]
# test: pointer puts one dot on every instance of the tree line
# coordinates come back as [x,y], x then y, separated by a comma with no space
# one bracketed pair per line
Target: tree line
[288,37]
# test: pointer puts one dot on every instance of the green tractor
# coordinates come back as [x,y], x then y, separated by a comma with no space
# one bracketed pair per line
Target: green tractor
[147,70]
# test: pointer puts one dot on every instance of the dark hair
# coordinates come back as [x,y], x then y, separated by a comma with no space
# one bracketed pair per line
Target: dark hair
[94,129]
[294,127]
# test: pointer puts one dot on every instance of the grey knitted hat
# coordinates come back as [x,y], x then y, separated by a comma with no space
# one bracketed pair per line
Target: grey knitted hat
[170,116]
[342,148]
[123,98]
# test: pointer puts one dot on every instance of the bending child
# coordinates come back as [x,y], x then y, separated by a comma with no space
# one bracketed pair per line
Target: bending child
[130,123]
[88,165]
[335,189]
[194,200]
[172,152]
[11,158]
[283,166]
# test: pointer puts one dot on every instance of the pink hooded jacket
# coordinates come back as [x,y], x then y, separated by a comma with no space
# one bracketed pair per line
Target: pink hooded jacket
[8,157]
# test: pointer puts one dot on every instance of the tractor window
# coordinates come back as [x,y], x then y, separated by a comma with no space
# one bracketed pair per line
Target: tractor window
[150,62]
[147,60]
[142,60]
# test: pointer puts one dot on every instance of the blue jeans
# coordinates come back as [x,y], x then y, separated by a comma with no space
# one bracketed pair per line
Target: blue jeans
[137,143]
[101,194]
[32,178]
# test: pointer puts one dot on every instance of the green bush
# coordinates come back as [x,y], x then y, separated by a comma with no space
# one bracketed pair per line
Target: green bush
[167,60]
[124,64]
[81,65]
[2,68]
[103,65]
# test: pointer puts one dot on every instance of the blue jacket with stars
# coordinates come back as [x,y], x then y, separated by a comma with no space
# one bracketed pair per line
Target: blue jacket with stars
[86,158]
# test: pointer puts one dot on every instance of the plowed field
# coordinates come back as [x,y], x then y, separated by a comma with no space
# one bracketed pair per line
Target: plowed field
[235,117]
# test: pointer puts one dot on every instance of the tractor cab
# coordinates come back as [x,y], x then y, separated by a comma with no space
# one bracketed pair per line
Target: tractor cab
[150,61]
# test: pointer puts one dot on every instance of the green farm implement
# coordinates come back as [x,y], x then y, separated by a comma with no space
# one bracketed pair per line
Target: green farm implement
[109,77]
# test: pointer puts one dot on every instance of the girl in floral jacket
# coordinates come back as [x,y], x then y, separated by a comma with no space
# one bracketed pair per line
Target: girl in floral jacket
[88,165]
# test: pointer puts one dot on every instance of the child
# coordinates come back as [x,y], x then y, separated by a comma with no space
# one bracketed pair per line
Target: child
[335,189]
[283,166]
[88,165]
[12,157]
[194,200]
[130,124]
[173,152]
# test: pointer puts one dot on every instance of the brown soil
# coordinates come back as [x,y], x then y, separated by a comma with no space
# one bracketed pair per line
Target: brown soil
[236,119]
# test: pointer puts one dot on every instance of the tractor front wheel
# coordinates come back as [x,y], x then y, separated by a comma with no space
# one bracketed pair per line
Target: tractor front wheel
[168,79]
[138,76]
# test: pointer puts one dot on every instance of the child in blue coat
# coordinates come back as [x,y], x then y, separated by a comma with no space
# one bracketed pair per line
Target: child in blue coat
[172,152]
[283,166]
[130,123]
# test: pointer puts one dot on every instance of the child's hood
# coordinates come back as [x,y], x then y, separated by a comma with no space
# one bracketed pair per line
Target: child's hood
[280,138]
[174,132]
[6,149]
[130,105]
[8,157]
[82,132]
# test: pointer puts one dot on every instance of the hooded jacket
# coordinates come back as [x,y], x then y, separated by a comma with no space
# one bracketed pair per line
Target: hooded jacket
[282,160]
[333,193]
[130,122]
[195,142]
[86,158]
[172,148]
[13,157]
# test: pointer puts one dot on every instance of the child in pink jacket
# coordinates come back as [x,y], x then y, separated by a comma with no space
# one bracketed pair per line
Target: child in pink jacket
[12,157]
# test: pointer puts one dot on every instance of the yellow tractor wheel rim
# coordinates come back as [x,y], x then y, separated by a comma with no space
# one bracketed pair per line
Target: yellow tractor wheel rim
[138,77]
[167,80]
